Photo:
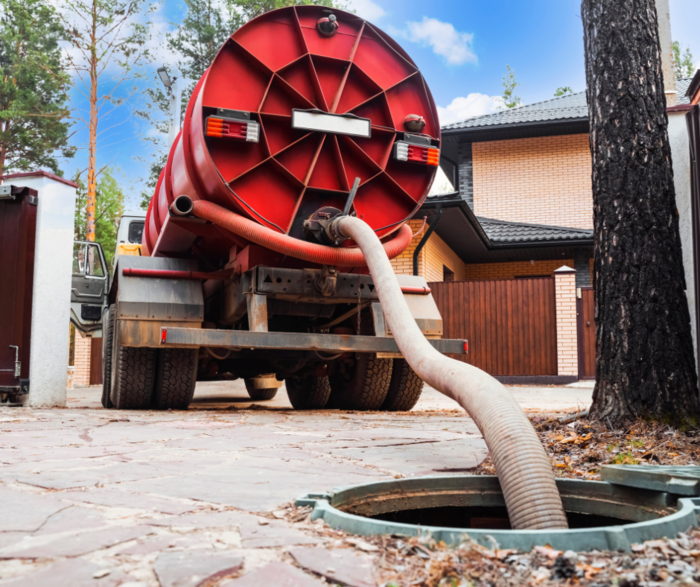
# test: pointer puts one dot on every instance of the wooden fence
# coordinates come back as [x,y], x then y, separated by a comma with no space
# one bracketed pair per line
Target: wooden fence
[510,324]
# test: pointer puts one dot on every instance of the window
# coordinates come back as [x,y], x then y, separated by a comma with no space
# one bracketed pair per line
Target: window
[136,232]
[87,260]
[447,274]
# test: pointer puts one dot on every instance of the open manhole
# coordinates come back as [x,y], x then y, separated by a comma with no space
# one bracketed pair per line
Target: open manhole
[601,515]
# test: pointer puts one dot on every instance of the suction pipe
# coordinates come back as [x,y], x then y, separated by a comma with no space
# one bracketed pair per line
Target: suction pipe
[522,466]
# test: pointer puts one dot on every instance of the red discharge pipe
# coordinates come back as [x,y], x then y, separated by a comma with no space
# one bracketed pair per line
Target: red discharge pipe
[294,247]
[172,274]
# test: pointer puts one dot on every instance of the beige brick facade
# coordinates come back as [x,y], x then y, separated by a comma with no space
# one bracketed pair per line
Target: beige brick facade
[512,270]
[81,375]
[543,180]
[565,299]
[432,259]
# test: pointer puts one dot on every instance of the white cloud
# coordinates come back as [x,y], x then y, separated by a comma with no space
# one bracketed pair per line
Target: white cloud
[446,41]
[474,104]
[366,9]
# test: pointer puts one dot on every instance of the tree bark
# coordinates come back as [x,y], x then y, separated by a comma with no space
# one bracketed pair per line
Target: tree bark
[92,130]
[645,363]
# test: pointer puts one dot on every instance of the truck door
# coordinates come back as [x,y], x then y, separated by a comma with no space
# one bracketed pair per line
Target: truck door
[89,287]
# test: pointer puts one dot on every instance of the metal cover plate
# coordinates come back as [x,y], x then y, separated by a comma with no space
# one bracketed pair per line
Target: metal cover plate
[676,480]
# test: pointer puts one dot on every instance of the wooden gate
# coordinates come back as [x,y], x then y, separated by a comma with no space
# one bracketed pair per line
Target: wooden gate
[585,310]
[510,324]
[17,242]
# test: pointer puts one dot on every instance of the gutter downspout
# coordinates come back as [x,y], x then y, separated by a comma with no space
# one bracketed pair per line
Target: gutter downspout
[426,236]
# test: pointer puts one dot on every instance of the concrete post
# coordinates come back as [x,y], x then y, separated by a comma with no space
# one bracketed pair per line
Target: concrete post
[666,42]
[565,300]
[49,346]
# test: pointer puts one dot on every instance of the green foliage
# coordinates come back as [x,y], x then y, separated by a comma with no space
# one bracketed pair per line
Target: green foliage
[109,207]
[683,61]
[563,91]
[194,44]
[510,85]
[33,87]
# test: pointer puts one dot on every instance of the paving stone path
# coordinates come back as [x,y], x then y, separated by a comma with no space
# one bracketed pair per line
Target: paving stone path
[180,499]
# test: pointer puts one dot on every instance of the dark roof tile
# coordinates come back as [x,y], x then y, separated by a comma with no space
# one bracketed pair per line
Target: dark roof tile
[503,232]
[561,108]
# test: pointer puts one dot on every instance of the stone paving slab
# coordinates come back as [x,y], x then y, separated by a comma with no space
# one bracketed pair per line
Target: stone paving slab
[340,565]
[71,573]
[194,567]
[153,499]
[275,574]
[75,544]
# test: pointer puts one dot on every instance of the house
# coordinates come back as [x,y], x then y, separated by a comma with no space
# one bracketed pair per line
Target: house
[523,176]
[523,210]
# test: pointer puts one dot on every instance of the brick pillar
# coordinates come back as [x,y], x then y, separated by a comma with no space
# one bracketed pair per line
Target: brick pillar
[567,345]
[81,361]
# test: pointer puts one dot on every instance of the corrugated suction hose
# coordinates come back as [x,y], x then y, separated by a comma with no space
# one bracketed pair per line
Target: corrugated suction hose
[522,466]
[294,247]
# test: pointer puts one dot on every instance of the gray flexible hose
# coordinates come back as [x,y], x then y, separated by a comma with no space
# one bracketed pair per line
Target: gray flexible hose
[522,466]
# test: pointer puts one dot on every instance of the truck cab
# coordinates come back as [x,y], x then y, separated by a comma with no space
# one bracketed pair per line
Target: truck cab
[91,279]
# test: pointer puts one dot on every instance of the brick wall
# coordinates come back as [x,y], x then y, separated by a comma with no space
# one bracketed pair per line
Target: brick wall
[438,255]
[465,174]
[433,257]
[543,180]
[403,264]
[81,360]
[565,299]
[514,269]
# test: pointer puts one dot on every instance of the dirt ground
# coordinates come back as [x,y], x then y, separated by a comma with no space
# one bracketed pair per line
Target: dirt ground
[204,497]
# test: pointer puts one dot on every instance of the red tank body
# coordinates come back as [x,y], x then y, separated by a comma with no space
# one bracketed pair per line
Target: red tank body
[297,104]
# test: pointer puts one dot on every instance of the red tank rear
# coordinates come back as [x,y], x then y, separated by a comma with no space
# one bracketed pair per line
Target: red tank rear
[297,104]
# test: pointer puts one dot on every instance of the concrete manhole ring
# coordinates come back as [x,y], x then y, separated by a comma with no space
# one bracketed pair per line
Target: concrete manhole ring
[601,515]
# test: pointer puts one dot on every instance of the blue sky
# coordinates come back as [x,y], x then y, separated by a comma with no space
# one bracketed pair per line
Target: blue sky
[461,46]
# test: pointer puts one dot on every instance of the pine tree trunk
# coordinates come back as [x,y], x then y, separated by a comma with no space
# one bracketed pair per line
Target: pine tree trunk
[645,365]
[92,133]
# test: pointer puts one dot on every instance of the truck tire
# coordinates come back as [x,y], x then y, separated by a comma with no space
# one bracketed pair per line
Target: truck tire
[366,389]
[405,388]
[107,344]
[132,376]
[308,393]
[259,395]
[176,377]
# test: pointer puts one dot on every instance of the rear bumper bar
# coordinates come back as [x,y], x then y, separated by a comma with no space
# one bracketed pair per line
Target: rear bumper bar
[301,341]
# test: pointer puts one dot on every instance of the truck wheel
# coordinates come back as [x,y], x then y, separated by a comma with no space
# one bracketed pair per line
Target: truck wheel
[308,393]
[259,395]
[365,388]
[107,340]
[133,373]
[176,377]
[405,388]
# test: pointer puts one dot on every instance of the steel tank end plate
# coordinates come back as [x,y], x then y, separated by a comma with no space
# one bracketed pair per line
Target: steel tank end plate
[291,111]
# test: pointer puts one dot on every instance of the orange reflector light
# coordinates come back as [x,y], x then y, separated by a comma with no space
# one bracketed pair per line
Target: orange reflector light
[416,154]
[233,128]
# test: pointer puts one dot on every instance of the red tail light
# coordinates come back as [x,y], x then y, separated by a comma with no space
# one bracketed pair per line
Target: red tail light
[416,153]
[233,128]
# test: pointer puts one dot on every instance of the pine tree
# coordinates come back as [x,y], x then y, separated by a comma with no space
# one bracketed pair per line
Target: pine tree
[109,207]
[645,364]
[34,124]
[104,35]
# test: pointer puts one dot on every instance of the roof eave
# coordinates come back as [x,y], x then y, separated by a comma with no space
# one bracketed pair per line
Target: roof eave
[516,125]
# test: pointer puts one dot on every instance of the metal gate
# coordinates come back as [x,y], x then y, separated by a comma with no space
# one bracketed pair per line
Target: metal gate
[585,310]
[17,242]
[510,324]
